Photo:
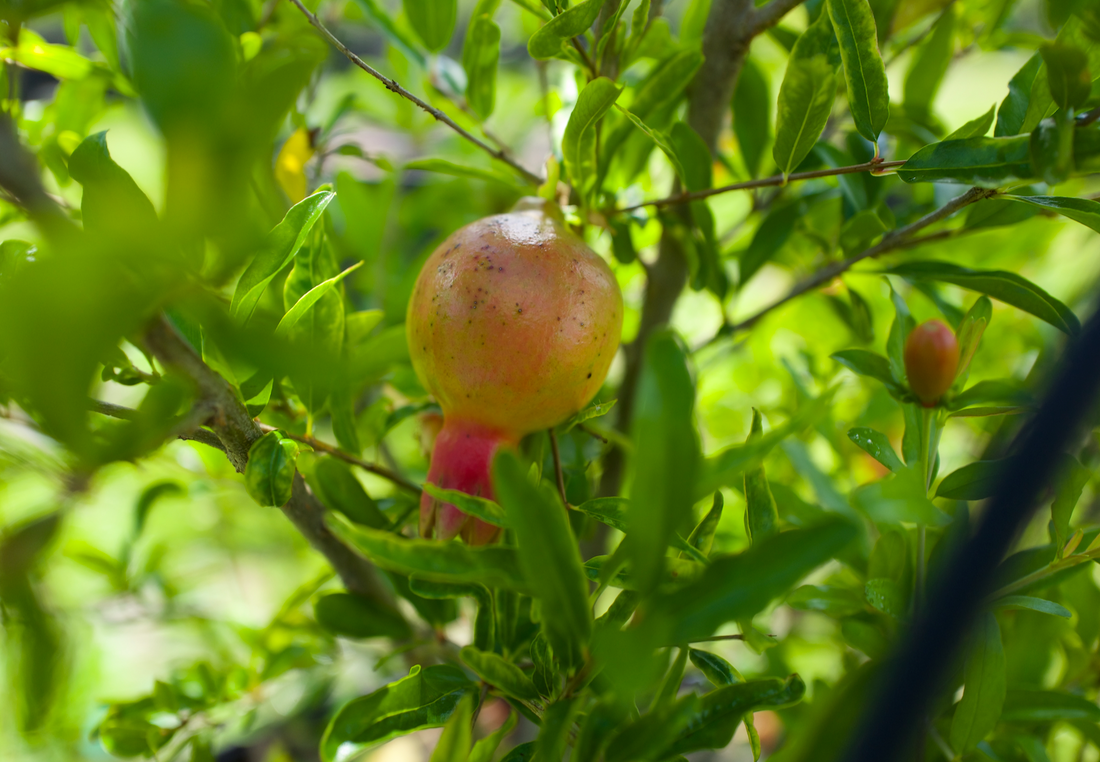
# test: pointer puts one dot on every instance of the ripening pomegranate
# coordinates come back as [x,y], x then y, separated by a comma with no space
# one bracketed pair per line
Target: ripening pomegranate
[931,360]
[512,326]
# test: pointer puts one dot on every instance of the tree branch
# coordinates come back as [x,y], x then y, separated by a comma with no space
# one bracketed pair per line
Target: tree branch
[765,182]
[394,87]
[895,239]
[336,452]
[771,14]
[726,41]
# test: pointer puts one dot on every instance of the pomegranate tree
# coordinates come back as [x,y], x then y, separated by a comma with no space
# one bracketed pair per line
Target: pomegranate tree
[512,325]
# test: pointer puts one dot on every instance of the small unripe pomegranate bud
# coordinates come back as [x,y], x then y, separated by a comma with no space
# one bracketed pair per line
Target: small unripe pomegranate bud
[512,325]
[931,360]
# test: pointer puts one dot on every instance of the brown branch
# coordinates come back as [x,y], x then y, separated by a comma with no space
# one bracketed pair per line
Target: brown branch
[765,182]
[218,402]
[557,466]
[893,240]
[229,419]
[726,40]
[336,452]
[394,87]
[771,14]
[200,435]
[237,431]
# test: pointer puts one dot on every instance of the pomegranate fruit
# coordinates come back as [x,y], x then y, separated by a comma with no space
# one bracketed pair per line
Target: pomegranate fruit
[512,325]
[931,360]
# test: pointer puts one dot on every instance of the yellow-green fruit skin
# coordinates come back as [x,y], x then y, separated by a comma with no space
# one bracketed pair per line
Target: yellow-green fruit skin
[513,323]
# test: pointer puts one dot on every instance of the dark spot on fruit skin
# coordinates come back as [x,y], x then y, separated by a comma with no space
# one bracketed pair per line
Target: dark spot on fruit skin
[589,375]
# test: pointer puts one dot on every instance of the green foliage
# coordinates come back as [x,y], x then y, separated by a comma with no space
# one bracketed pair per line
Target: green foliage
[210,227]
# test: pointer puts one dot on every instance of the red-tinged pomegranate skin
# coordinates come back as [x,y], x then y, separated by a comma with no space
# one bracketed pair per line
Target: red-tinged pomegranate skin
[931,360]
[512,326]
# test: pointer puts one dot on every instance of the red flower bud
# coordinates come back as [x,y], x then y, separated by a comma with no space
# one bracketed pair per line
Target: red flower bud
[931,360]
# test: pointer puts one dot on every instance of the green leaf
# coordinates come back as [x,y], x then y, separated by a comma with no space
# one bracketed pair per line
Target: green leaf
[548,555]
[1030,603]
[454,742]
[1022,705]
[613,512]
[716,669]
[112,203]
[805,102]
[720,711]
[929,66]
[659,139]
[969,333]
[444,167]
[485,621]
[985,162]
[872,365]
[751,107]
[34,52]
[395,35]
[975,128]
[646,738]
[338,489]
[302,307]
[525,752]
[1050,149]
[594,410]
[1013,110]
[864,72]
[278,251]
[354,616]
[432,20]
[485,749]
[425,699]
[1083,210]
[480,54]
[984,687]
[665,457]
[702,537]
[725,467]
[486,510]
[578,145]
[1007,287]
[269,474]
[899,498]
[974,481]
[770,237]
[986,392]
[833,600]
[761,512]
[495,566]
[738,587]
[1071,483]
[670,685]
[557,722]
[502,674]
[664,85]
[887,596]
[547,42]
[1068,74]
[876,445]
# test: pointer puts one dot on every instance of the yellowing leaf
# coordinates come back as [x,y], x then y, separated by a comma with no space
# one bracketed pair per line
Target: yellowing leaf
[290,166]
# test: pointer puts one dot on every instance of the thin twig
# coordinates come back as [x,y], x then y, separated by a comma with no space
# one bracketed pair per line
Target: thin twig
[397,89]
[557,466]
[895,239]
[765,182]
[592,433]
[336,452]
